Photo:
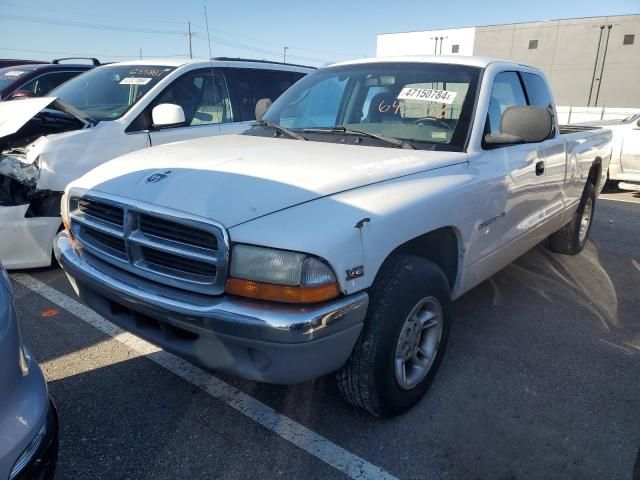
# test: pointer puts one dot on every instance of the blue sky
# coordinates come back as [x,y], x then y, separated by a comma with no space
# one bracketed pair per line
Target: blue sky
[315,32]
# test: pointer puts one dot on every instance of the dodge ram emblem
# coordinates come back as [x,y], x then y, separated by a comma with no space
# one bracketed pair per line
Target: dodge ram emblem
[156,177]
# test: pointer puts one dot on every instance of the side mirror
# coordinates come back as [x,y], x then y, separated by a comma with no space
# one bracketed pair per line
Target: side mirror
[167,115]
[19,94]
[522,124]
[262,106]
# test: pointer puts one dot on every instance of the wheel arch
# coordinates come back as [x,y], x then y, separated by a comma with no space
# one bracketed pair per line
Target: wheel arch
[441,246]
[595,173]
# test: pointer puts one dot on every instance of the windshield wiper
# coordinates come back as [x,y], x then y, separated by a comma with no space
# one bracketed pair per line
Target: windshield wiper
[279,128]
[341,129]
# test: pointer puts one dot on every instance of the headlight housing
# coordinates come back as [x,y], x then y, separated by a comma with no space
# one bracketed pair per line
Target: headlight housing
[15,165]
[280,276]
[64,211]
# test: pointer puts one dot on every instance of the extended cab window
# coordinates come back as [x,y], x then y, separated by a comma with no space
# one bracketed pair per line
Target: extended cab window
[202,95]
[506,92]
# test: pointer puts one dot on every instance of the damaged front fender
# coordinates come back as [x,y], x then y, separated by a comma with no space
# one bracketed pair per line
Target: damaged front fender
[15,164]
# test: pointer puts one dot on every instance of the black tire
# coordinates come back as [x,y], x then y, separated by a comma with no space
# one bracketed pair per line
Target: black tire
[368,379]
[567,240]
[612,186]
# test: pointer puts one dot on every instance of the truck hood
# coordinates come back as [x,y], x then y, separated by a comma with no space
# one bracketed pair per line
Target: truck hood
[236,178]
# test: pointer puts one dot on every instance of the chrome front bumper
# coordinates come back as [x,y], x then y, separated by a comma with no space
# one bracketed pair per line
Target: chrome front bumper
[262,341]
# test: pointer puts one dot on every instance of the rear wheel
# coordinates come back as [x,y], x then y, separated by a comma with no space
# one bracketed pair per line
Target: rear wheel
[571,239]
[403,339]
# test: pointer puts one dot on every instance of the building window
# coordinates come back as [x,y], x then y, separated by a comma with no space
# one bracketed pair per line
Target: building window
[455,48]
[533,44]
[629,40]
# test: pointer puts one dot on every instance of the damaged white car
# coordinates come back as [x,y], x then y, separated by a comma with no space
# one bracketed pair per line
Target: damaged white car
[47,142]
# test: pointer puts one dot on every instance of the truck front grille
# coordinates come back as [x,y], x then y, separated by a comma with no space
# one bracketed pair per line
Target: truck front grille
[157,244]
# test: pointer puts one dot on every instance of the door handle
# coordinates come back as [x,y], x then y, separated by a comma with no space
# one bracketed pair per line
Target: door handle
[539,168]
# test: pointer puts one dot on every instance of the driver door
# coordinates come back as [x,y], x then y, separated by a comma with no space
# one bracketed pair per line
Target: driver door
[204,98]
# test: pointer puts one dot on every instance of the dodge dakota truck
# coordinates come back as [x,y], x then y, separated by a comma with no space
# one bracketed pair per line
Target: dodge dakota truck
[333,234]
[112,110]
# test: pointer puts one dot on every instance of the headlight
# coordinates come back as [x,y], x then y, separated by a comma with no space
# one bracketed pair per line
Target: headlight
[16,166]
[64,211]
[280,276]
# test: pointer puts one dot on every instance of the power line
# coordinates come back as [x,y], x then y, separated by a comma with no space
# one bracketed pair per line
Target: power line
[75,12]
[96,26]
[263,51]
[100,26]
[101,55]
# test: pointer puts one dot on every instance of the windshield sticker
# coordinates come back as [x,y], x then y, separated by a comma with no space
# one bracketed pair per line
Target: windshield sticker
[135,80]
[439,135]
[427,95]
[13,73]
[148,72]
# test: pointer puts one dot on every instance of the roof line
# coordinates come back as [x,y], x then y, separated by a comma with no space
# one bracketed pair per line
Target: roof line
[512,23]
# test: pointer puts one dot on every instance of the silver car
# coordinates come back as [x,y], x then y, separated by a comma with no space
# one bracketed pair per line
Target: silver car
[28,419]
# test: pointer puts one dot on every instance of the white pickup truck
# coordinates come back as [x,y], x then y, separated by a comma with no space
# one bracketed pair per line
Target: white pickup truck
[625,150]
[333,234]
[109,111]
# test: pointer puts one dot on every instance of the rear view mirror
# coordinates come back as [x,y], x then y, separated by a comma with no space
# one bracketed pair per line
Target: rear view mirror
[522,124]
[262,106]
[167,115]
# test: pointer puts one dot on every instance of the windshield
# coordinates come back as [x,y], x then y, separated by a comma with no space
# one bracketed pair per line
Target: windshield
[425,104]
[106,93]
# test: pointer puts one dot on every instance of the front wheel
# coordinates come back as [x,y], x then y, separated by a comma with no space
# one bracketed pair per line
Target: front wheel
[571,239]
[403,339]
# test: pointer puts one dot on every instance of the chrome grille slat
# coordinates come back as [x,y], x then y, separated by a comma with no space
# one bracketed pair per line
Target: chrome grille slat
[173,262]
[157,244]
[193,253]
[99,226]
[158,227]
[104,212]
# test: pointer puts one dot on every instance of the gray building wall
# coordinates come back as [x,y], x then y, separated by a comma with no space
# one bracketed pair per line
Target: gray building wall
[586,65]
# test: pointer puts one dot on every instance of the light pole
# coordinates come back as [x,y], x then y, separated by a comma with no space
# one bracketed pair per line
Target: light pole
[284,54]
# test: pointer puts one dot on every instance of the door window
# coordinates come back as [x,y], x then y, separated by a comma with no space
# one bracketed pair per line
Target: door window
[506,92]
[203,96]
[43,84]
[250,85]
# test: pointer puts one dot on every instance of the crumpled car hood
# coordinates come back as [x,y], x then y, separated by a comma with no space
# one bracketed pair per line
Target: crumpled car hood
[14,114]
[233,179]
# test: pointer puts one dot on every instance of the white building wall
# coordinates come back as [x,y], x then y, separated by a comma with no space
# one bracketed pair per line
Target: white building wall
[438,42]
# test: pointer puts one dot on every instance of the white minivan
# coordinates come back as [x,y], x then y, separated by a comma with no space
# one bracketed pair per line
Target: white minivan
[109,111]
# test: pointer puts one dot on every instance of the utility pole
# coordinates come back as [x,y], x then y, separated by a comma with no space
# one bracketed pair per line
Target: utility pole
[190,36]
[284,55]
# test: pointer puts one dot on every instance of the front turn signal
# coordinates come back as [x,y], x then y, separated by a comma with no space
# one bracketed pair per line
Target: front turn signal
[282,293]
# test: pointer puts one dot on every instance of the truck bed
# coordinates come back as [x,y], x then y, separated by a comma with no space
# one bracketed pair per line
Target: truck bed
[565,129]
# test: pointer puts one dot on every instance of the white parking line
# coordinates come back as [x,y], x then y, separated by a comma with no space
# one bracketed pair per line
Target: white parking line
[623,200]
[309,441]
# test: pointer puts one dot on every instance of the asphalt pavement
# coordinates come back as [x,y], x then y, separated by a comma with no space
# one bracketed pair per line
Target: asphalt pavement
[541,381]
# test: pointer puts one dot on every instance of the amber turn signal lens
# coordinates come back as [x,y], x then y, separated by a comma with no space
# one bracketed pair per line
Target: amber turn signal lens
[282,293]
